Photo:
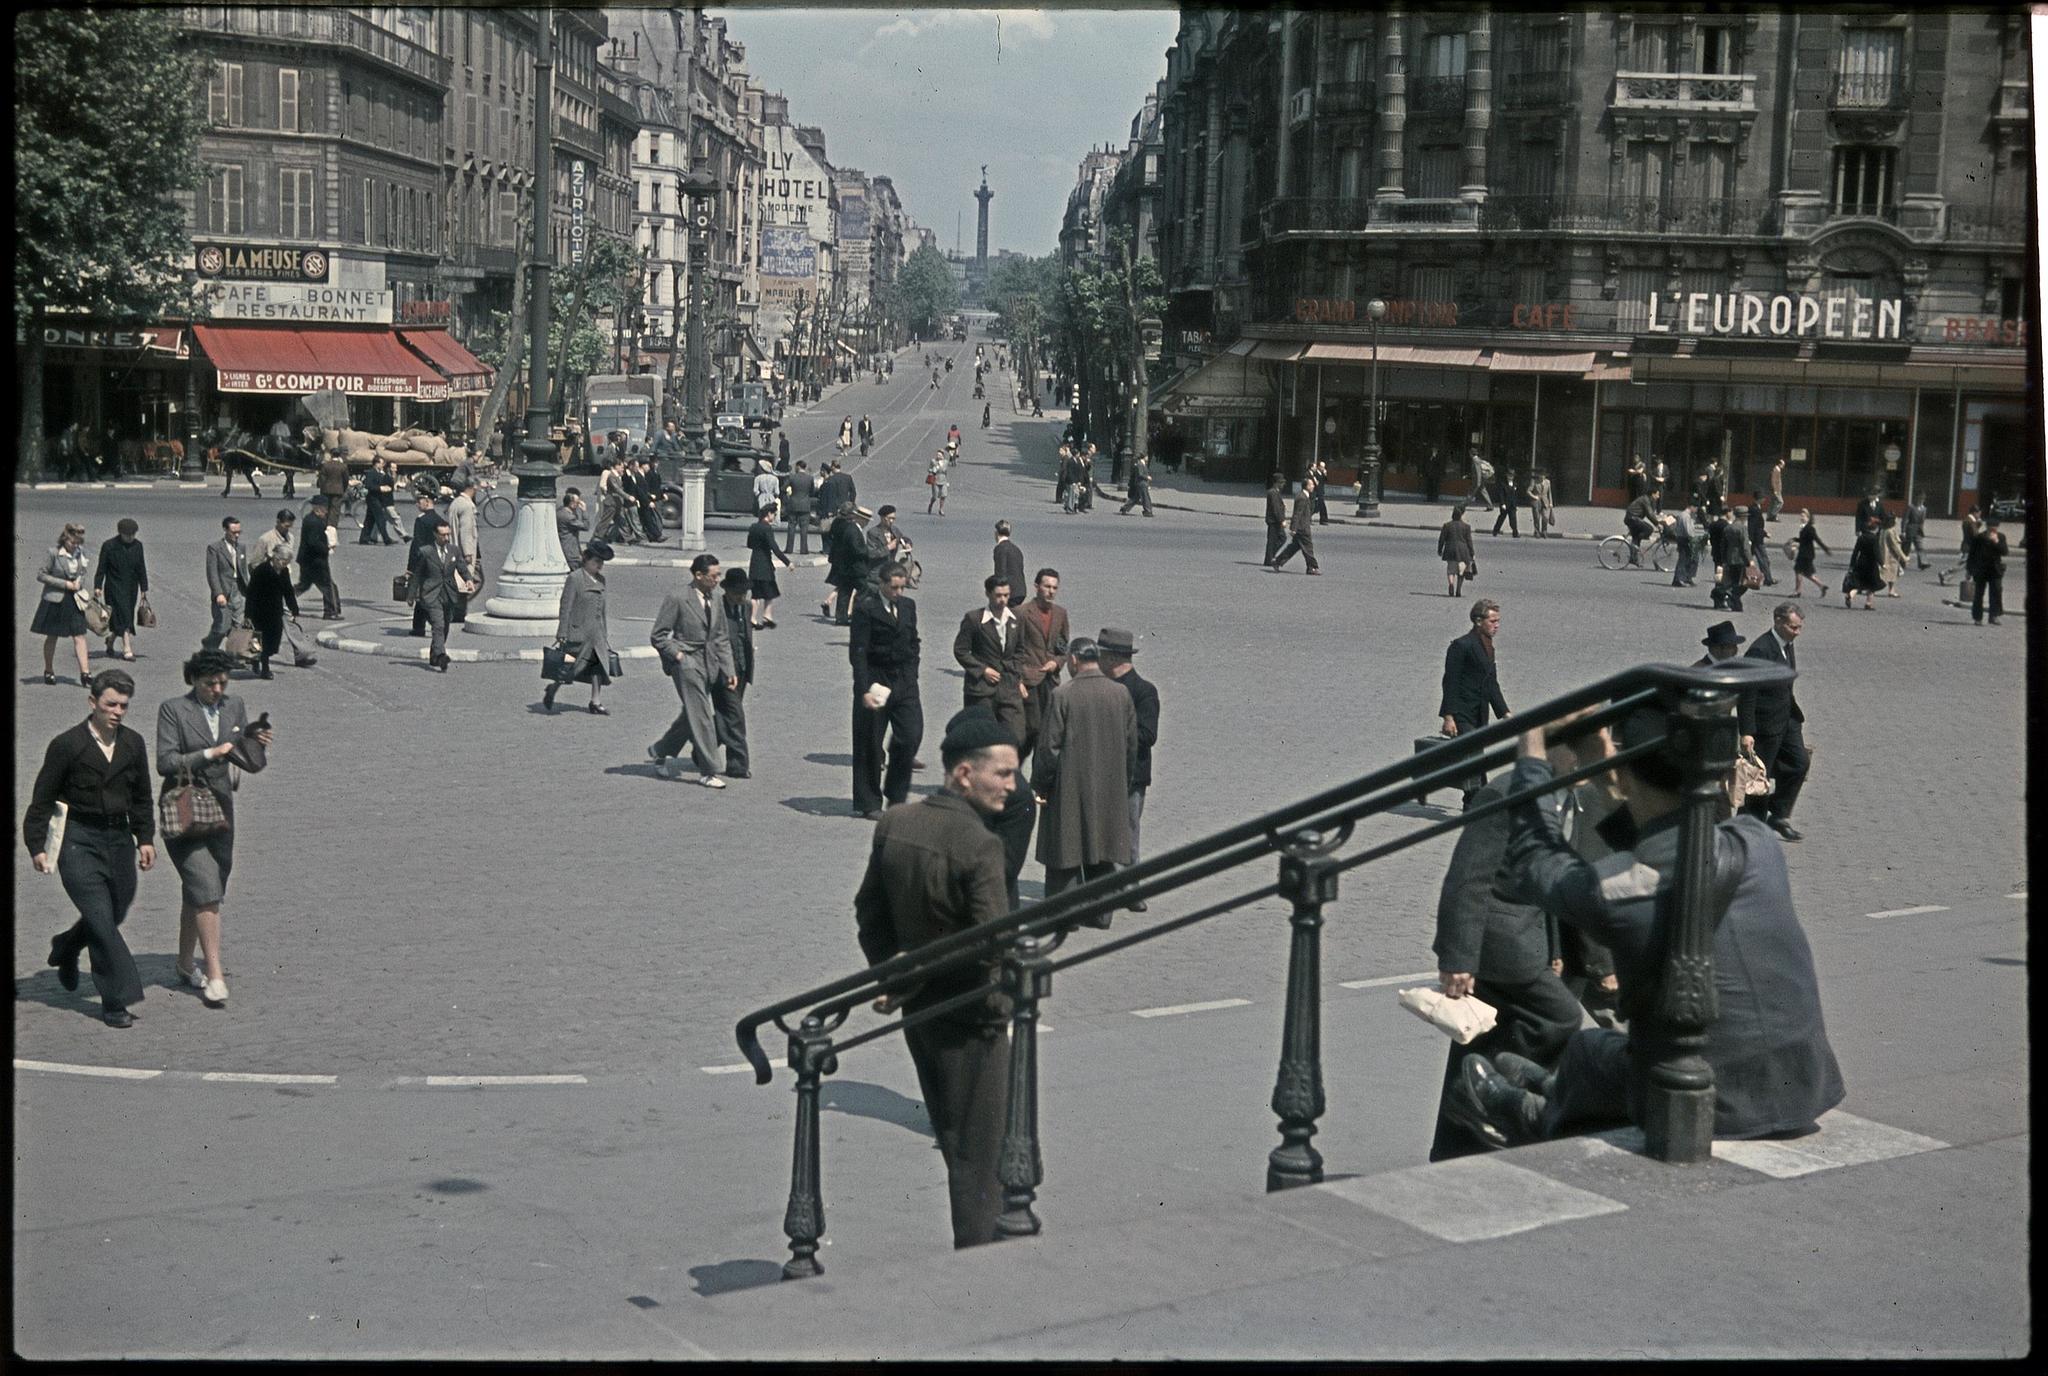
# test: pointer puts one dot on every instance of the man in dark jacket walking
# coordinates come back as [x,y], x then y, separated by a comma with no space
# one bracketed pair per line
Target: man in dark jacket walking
[1009,564]
[315,567]
[1759,538]
[730,702]
[799,495]
[1301,531]
[1773,725]
[1508,493]
[883,650]
[1117,646]
[1471,685]
[1276,515]
[1986,562]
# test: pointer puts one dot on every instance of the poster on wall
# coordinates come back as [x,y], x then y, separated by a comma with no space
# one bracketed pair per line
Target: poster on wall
[788,251]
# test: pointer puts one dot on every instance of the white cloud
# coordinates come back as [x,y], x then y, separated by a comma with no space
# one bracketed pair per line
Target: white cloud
[1016,25]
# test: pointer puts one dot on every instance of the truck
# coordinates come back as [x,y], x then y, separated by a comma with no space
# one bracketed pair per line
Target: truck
[621,401]
[756,403]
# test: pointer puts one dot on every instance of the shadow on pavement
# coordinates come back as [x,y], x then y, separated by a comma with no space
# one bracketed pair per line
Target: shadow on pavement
[1429,812]
[821,807]
[863,1100]
[727,1276]
[643,770]
[836,761]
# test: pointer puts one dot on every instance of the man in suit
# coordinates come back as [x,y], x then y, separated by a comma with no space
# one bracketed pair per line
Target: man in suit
[468,548]
[1471,686]
[1009,565]
[1735,557]
[227,582]
[1774,1072]
[316,568]
[1759,538]
[439,583]
[1276,515]
[883,650]
[1087,758]
[834,489]
[691,638]
[731,703]
[423,523]
[935,869]
[883,540]
[1042,625]
[1302,531]
[1772,724]
[278,536]
[1509,495]
[1723,641]
[572,519]
[380,490]
[989,647]
[1117,646]
[649,495]
[799,493]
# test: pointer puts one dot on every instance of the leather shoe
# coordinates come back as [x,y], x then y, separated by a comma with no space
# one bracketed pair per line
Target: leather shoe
[873,814]
[1523,1073]
[1487,1105]
[1137,905]
[118,1017]
[67,966]
[1786,829]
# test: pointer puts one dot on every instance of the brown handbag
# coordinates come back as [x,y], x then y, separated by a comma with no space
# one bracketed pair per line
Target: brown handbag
[145,615]
[1752,577]
[190,811]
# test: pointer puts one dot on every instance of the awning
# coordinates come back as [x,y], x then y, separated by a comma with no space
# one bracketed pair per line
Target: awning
[468,375]
[1504,361]
[1919,372]
[1278,350]
[1407,354]
[360,361]
[1224,386]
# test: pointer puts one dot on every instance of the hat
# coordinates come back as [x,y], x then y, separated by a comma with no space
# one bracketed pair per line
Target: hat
[1116,640]
[862,512]
[598,550]
[1722,633]
[735,578]
[974,728]
[764,461]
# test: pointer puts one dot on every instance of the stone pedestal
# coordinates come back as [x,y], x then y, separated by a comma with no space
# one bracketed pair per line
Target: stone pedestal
[526,598]
[694,478]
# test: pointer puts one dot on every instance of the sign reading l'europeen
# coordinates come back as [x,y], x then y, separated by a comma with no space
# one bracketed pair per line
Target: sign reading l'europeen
[1781,316]
[259,263]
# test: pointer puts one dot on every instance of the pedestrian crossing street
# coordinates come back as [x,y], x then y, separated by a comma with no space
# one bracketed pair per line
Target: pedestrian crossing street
[1475,1198]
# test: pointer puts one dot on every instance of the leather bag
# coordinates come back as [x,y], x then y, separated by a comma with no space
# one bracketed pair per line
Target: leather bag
[557,663]
[145,615]
[97,616]
[190,811]
[240,643]
[1752,576]
[401,587]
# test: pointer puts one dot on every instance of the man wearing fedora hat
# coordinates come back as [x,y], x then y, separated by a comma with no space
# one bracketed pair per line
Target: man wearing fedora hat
[1117,646]
[1087,757]
[730,702]
[1722,642]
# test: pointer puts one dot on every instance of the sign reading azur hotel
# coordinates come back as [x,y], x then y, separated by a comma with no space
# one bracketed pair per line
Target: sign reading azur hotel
[1784,315]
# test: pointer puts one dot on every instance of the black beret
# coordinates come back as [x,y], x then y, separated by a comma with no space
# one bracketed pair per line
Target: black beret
[975,728]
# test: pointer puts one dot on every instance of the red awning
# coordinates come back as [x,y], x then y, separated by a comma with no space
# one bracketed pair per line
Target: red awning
[360,361]
[468,375]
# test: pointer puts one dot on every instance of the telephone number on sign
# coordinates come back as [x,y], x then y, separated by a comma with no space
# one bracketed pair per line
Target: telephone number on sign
[316,382]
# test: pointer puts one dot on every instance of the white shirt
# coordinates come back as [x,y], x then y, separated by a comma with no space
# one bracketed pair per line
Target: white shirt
[212,720]
[1003,622]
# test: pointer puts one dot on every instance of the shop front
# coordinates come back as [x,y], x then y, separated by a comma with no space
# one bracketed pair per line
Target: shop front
[260,372]
[467,379]
[119,392]
[1224,413]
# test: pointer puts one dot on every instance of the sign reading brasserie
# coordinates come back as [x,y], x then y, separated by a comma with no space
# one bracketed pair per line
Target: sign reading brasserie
[332,305]
[259,263]
[1780,316]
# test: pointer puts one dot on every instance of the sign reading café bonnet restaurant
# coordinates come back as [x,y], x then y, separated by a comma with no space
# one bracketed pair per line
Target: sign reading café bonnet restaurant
[1796,315]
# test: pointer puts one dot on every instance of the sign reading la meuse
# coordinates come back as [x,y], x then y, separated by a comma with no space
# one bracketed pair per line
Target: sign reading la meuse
[1783,315]
[260,263]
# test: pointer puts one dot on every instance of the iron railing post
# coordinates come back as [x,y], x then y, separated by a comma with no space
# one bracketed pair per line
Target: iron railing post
[1678,1119]
[1308,880]
[803,1222]
[1027,978]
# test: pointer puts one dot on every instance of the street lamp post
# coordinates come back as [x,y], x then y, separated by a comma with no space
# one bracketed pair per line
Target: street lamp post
[1369,474]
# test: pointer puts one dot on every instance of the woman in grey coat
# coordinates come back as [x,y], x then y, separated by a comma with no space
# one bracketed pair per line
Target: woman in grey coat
[1454,547]
[582,625]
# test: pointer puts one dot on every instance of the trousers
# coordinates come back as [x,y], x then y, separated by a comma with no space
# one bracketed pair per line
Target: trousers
[1506,517]
[731,706]
[799,528]
[1996,588]
[902,718]
[225,619]
[1303,541]
[1276,536]
[321,575]
[697,724]
[97,867]
[436,614]
[1596,1086]
[1537,1017]
[964,1073]
[1137,813]
[1763,560]
[1785,760]
[1012,826]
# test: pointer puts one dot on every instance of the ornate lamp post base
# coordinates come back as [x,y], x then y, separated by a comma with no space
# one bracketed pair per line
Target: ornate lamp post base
[526,599]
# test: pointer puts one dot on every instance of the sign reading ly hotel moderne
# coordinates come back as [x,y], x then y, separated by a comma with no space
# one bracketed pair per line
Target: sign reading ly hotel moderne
[1795,315]
[275,301]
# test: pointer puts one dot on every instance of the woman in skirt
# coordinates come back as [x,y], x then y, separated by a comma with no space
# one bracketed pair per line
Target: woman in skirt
[58,614]
[1454,547]
[1892,554]
[1802,560]
[761,557]
[1866,565]
[582,624]
[122,578]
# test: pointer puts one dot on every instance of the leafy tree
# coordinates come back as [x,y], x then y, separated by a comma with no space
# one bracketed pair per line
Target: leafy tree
[602,281]
[106,128]
[924,292]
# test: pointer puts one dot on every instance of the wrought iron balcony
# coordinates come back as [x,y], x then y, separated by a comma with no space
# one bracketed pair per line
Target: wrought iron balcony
[1711,92]
[1345,99]
[1853,211]
[1357,214]
[1425,210]
[1868,91]
[327,26]
[1436,94]
[1521,90]
[1629,215]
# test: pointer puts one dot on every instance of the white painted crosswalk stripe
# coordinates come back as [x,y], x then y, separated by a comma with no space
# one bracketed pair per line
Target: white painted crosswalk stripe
[1843,1140]
[1473,1198]
[104,1072]
[487,1081]
[1179,1008]
[1910,912]
[243,1077]
[1384,980]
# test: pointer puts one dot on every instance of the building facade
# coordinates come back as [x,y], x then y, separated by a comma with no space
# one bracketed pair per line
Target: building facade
[1708,238]
[800,276]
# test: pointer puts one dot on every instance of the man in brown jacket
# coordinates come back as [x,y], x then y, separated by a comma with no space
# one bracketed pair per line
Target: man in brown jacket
[1042,627]
[1087,760]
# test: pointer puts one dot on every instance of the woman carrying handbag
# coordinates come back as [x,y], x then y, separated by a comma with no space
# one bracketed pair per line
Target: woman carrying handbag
[59,615]
[198,737]
[122,577]
[581,634]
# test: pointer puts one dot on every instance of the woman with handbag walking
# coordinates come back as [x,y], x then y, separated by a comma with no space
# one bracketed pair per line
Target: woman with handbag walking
[761,557]
[60,613]
[1802,559]
[198,737]
[121,579]
[935,479]
[1454,547]
[270,597]
[99,771]
[581,635]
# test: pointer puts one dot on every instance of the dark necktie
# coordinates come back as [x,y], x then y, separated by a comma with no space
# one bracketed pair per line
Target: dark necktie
[1791,660]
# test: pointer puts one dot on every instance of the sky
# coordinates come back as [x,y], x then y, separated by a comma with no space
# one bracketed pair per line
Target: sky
[925,96]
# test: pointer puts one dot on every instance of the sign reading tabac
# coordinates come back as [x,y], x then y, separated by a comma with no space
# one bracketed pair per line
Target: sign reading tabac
[259,263]
[1783,316]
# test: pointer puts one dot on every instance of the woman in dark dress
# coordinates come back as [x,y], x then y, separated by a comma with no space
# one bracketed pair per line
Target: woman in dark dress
[270,595]
[1866,565]
[1802,561]
[761,557]
[99,769]
[58,615]
[846,553]
[121,578]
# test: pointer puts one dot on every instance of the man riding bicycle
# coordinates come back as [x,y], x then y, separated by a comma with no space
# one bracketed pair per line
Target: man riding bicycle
[1641,519]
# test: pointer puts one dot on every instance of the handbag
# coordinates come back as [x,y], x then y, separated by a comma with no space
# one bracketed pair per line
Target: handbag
[1471,571]
[401,587]
[97,617]
[1752,577]
[240,641]
[931,479]
[611,664]
[557,663]
[190,811]
[145,615]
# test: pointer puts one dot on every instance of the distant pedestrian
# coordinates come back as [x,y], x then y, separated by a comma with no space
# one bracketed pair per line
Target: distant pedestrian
[846,560]
[316,564]
[1320,471]
[936,482]
[1087,758]
[1866,566]
[883,650]
[582,624]
[1759,539]
[845,436]
[380,491]
[1802,560]
[424,521]
[439,584]
[867,436]
[1735,560]
[1138,492]
[1276,515]
[1542,514]
[99,771]
[1009,564]
[1510,498]
[1913,530]
[1471,683]
[767,486]
[1454,547]
[1777,488]
[1301,532]
[647,494]
[227,583]
[984,415]
[58,615]
[270,598]
[690,636]
[198,738]
[761,557]
[572,522]
[1481,474]
[799,494]
[1117,646]
[782,451]
[1987,569]
[729,700]
[1892,558]
[121,577]
[332,481]
[1432,476]
[1972,522]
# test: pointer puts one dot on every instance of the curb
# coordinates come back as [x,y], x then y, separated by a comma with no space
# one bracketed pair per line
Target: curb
[349,645]
[813,561]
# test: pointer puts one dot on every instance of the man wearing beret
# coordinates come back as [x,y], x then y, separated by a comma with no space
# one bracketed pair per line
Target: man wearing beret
[1086,761]
[935,869]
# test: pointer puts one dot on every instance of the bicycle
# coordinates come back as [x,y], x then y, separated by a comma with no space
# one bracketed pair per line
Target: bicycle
[351,513]
[1623,551]
[496,510]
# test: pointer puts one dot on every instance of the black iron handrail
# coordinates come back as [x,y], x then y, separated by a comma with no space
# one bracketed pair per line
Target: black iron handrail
[1306,835]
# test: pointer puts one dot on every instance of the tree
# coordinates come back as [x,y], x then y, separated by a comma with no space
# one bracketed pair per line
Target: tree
[106,126]
[509,335]
[925,292]
[603,280]
[1021,291]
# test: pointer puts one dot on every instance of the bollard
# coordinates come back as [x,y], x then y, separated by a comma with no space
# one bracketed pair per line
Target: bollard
[803,1222]
[1027,978]
[1308,880]
[1678,1110]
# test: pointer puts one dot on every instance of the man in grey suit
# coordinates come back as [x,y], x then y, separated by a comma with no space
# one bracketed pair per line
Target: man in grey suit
[690,636]
[439,584]
[468,549]
[572,519]
[227,581]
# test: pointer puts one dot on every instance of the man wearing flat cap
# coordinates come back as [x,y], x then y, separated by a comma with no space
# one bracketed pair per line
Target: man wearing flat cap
[1117,646]
[730,703]
[1723,641]
[934,869]
[1087,758]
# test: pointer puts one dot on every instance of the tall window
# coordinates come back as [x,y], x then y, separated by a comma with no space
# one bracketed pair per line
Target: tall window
[1653,47]
[1542,48]
[1632,300]
[1443,54]
[1354,61]
[1717,51]
[288,99]
[1643,171]
[295,203]
[1529,285]
[1429,283]
[1863,181]
[224,208]
[469,123]
[1534,172]
[369,207]
[1707,166]
[1436,171]
[224,94]
[1870,65]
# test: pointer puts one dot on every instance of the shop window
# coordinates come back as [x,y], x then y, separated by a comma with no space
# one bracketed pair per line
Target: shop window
[295,203]
[1863,180]
[288,100]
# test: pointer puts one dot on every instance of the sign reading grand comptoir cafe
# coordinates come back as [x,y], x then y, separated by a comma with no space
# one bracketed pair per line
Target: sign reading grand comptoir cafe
[259,263]
[1783,316]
